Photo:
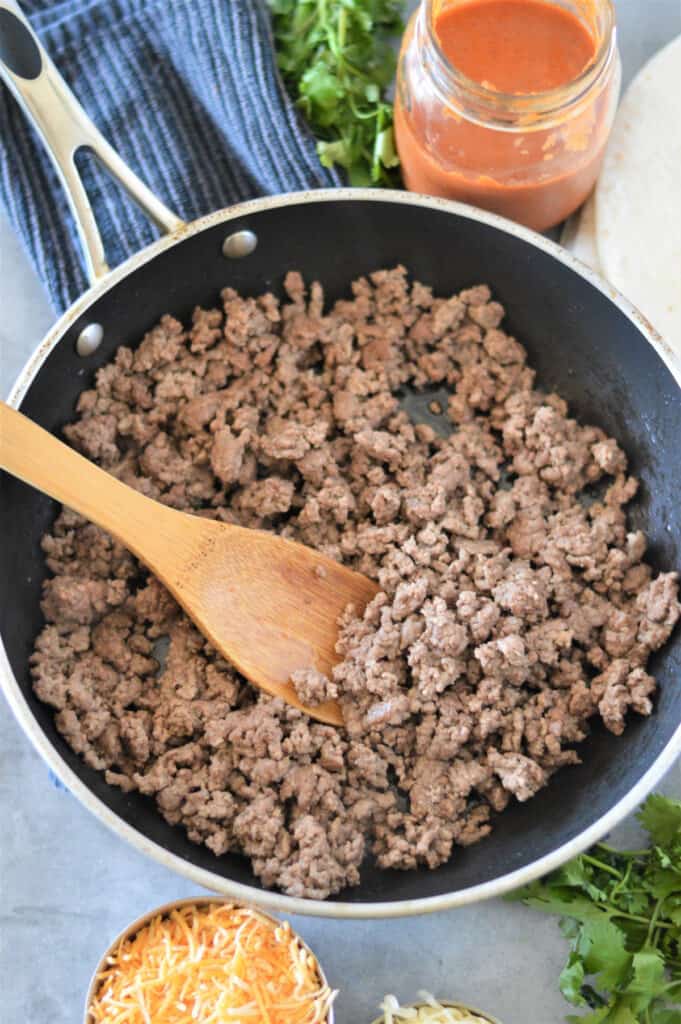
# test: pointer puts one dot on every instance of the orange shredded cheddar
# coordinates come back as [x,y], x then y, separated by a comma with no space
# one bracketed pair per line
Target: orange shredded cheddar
[211,964]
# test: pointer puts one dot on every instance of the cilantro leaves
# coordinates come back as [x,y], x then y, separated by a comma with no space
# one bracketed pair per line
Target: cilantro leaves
[337,60]
[621,910]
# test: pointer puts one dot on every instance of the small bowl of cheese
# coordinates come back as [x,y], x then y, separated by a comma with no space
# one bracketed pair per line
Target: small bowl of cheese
[430,1010]
[207,960]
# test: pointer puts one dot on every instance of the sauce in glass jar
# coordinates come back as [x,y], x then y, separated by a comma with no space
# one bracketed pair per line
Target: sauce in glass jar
[507,104]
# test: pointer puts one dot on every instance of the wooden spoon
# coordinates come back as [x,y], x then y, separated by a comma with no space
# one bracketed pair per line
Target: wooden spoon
[269,605]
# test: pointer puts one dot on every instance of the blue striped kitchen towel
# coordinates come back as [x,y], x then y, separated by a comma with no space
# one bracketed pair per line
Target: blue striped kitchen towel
[186,91]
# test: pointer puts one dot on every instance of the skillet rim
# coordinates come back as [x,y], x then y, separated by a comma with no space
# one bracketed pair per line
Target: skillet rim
[208,879]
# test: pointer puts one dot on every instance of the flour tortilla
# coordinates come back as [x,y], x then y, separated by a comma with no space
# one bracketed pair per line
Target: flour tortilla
[638,195]
[579,234]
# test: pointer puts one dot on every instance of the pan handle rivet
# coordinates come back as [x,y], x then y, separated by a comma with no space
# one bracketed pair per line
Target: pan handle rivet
[89,339]
[241,243]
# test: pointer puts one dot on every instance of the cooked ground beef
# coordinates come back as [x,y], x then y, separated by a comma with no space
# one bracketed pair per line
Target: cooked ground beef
[511,611]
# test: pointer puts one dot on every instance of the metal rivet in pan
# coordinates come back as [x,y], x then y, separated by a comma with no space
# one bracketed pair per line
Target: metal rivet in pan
[89,339]
[241,243]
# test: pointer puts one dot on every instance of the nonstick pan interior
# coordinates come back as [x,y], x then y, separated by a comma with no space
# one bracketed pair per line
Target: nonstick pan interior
[582,345]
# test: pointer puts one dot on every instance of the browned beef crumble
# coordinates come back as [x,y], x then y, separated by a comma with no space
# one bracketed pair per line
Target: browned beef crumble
[510,613]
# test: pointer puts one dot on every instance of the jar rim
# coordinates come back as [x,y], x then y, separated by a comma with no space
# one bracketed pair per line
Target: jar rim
[504,107]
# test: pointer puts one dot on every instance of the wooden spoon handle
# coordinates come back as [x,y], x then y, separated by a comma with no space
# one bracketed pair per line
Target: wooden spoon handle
[40,459]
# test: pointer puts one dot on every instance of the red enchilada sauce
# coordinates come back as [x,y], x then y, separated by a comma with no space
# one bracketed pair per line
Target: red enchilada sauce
[502,103]
[519,46]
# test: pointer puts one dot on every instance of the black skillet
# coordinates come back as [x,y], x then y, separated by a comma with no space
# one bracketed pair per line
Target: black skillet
[585,341]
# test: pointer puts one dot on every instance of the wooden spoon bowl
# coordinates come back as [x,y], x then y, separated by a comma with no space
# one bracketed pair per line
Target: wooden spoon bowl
[269,605]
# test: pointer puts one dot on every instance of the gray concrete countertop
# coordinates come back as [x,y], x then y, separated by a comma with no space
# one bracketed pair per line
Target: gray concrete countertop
[68,885]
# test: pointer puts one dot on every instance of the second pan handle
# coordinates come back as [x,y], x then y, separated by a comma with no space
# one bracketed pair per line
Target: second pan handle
[64,128]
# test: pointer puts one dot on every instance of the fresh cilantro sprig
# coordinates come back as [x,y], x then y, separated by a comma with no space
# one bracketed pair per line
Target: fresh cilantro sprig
[621,911]
[337,60]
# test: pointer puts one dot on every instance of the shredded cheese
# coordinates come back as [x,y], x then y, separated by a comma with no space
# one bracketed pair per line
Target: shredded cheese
[429,1011]
[210,965]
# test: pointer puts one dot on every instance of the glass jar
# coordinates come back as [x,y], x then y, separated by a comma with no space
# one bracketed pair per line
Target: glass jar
[532,157]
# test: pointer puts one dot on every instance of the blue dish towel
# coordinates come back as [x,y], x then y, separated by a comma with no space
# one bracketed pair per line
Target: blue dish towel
[188,93]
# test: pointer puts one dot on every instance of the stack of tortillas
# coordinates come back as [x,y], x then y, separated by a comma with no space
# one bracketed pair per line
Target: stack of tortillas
[630,228]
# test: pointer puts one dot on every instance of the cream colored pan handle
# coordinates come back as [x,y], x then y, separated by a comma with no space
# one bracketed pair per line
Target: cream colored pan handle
[64,128]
